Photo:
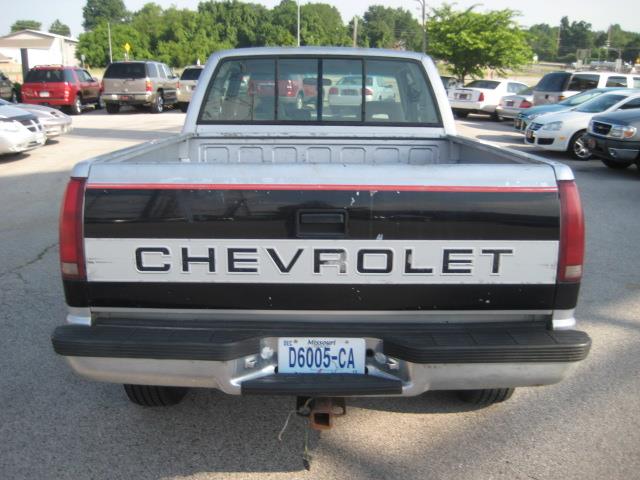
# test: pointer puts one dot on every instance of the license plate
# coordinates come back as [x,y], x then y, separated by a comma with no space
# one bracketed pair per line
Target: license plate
[44,94]
[517,124]
[530,135]
[463,96]
[321,355]
[509,104]
[125,97]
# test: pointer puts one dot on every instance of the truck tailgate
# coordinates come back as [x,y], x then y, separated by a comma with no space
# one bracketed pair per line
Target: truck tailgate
[265,237]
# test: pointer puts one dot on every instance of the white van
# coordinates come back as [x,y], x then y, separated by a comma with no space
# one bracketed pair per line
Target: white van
[556,86]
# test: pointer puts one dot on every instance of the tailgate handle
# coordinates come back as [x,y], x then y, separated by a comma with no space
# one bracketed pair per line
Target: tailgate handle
[318,224]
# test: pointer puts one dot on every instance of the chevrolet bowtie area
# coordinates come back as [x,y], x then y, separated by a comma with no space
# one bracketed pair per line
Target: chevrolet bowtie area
[287,243]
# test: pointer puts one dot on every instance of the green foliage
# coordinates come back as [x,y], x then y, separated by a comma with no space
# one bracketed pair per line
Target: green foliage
[60,28]
[95,44]
[471,42]
[98,11]
[385,27]
[543,40]
[25,25]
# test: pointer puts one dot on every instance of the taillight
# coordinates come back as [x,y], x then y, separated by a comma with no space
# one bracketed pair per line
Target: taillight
[102,86]
[481,97]
[526,104]
[368,91]
[561,97]
[71,248]
[148,86]
[571,255]
[333,91]
[178,86]
[289,88]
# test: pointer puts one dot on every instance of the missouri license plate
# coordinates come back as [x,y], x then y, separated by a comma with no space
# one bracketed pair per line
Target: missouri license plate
[321,355]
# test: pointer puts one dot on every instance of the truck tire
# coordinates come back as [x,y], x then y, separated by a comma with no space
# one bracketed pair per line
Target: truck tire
[112,107]
[616,165]
[184,106]
[460,114]
[76,107]
[155,396]
[158,105]
[485,397]
[578,147]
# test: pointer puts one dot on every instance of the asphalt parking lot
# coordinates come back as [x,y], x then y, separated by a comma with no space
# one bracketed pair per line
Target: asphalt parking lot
[55,425]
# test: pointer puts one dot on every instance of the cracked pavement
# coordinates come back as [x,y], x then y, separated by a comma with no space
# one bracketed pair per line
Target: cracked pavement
[55,425]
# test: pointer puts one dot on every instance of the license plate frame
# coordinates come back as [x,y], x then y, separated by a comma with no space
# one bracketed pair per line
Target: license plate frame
[321,355]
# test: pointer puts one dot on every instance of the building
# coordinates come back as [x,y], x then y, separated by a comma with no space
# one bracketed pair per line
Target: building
[39,48]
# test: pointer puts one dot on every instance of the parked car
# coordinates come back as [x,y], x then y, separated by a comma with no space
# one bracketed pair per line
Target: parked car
[317,259]
[511,106]
[140,84]
[482,96]
[450,83]
[20,131]
[7,92]
[52,120]
[55,85]
[557,86]
[187,84]
[347,92]
[524,118]
[615,138]
[566,131]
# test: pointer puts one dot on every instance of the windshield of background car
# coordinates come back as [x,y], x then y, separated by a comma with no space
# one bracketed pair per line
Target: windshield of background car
[553,82]
[49,76]
[580,98]
[191,74]
[126,70]
[321,90]
[526,91]
[600,104]
[487,84]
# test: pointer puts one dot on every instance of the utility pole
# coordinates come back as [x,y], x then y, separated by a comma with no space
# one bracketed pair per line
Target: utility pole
[298,22]
[110,51]
[355,31]
[423,4]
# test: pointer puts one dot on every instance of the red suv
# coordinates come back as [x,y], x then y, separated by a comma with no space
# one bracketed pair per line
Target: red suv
[57,85]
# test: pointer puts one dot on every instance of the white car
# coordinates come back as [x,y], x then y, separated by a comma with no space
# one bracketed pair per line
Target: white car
[19,131]
[565,131]
[482,96]
[52,120]
[511,106]
[347,92]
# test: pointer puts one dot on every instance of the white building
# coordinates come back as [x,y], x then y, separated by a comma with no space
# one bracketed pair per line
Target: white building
[43,48]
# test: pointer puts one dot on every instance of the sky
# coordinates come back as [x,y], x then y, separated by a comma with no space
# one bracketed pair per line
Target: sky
[597,12]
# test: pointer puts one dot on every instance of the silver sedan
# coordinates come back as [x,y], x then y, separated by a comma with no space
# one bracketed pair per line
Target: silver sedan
[54,121]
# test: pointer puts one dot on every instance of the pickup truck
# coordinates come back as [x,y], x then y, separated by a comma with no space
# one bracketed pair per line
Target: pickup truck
[278,248]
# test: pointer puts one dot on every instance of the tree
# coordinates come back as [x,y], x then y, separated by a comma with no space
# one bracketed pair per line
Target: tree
[386,27]
[97,11]
[574,36]
[60,28]
[25,25]
[543,40]
[471,42]
[94,45]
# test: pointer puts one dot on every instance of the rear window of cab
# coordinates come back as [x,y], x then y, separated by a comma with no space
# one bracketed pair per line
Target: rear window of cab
[191,74]
[321,90]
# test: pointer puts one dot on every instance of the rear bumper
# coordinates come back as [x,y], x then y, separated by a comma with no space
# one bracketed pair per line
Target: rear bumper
[128,98]
[406,361]
[46,101]
[508,112]
[472,107]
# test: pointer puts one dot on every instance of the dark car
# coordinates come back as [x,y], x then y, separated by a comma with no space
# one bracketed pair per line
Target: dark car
[615,138]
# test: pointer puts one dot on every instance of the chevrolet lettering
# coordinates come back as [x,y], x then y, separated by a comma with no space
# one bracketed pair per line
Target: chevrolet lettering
[319,230]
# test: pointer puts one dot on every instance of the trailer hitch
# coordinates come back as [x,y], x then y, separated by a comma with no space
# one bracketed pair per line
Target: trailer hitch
[321,410]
